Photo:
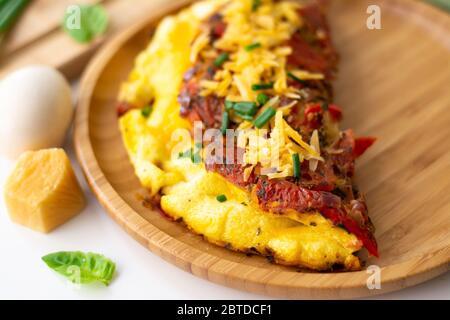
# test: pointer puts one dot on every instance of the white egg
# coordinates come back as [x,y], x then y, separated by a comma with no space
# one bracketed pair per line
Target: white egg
[35,110]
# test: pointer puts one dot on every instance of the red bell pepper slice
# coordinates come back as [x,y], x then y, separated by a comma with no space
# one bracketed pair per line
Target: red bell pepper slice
[310,119]
[219,29]
[362,144]
[123,107]
[335,112]
[363,234]
[315,108]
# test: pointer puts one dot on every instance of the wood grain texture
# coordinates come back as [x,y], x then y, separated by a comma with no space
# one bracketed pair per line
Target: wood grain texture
[38,39]
[393,84]
[40,18]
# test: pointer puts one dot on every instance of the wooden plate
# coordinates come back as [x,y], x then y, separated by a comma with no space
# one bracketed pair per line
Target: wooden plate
[393,84]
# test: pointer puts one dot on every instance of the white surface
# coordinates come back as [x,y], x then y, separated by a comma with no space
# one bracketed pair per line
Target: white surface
[141,274]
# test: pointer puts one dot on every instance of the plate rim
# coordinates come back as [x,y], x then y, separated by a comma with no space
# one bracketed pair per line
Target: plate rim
[208,266]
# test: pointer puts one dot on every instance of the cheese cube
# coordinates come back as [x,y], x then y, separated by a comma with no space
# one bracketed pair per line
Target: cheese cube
[42,192]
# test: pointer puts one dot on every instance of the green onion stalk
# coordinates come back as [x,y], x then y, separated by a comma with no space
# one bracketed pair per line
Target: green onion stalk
[10,11]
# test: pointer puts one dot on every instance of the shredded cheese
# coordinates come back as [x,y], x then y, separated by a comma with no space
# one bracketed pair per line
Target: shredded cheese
[271,25]
[199,43]
[265,31]
[315,144]
[305,75]
[274,153]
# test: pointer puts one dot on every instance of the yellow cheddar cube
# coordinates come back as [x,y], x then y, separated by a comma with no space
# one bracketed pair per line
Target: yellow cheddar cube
[42,192]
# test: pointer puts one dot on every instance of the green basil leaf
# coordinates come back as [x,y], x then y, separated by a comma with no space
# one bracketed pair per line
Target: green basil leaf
[87,23]
[97,19]
[80,267]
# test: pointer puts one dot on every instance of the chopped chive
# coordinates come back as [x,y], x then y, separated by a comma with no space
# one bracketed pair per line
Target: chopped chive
[262,99]
[256,4]
[294,77]
[245,107]
[196,157]
[296,165]
[146,111]
[10,11]
[264,117]
[262,86]
[221,198]
[196,154]
[225,122]
[229,104]
[185,154]
[244,116]
[220,60]
[252,46]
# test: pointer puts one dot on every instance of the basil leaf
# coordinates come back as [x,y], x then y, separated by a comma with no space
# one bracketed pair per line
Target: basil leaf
[80,267]
[86,23]
[96,18]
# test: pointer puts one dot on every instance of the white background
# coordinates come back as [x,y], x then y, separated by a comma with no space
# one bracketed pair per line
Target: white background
[140,274]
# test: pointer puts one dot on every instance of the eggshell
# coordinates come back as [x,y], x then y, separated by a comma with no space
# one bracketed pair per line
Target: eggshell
[35,110]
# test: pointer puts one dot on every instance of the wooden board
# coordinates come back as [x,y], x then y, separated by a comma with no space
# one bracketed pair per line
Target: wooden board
[37,38]
[393,84]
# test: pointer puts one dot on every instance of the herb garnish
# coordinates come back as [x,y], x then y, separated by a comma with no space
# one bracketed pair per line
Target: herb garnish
[252,46]
[221,59]
[90,22]
[262,86]
[221,198]
[146,111]
[80,267]
[264,117]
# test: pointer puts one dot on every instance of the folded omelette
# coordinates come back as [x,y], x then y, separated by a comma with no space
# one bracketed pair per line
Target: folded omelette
[262,69]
